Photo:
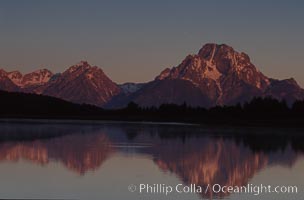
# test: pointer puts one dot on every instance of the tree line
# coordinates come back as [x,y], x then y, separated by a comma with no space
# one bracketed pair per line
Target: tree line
[260,110]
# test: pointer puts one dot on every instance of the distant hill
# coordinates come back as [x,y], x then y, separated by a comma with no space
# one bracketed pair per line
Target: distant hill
[16,104]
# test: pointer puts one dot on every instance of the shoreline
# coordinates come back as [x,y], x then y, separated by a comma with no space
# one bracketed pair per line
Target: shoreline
[90,121]
[235,123]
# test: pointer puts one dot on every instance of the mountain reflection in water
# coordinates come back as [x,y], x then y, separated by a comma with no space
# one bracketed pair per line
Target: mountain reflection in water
[196,155]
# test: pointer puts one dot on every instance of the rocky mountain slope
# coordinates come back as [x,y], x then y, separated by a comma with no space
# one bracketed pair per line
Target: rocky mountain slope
[83,83]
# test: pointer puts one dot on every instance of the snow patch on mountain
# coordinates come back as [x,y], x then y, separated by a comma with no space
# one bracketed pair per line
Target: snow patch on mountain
[211,71]
[128,88]
[37,77]
[15,77]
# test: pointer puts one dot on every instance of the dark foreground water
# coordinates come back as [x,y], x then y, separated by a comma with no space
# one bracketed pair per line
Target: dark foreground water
[105,161]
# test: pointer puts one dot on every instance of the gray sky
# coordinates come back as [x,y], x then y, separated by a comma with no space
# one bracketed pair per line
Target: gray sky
[135,40]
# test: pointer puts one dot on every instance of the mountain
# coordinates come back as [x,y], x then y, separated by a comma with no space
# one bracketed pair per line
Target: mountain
[37,77]
[16,81]
[287,89]
[6,83]
[83,83]
[216,75]
[125,96]
[129,88]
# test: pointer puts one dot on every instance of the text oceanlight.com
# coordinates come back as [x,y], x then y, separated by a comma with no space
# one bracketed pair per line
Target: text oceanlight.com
[211,188]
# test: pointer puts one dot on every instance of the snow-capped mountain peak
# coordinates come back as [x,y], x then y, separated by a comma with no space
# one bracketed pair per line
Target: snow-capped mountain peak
[215,62]
[217,69]
[79,67]
[129,88]
[40,76]
[37,77]
[15,77]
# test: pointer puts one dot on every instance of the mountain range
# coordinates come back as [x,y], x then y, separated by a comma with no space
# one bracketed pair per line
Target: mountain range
[216,75]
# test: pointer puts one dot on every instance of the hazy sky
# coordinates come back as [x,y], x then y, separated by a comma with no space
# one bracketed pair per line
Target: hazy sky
[135,40]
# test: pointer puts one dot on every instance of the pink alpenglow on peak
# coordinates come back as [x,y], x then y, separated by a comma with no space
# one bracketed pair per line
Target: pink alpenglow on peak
[83,83]
[37,77]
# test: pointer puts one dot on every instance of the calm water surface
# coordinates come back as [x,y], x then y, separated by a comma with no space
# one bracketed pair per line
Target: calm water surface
[100,161]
